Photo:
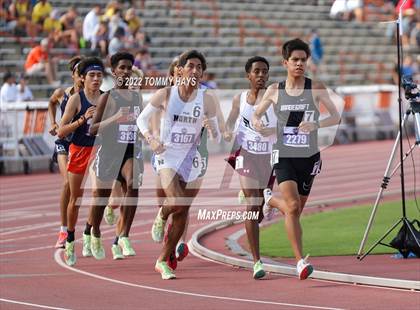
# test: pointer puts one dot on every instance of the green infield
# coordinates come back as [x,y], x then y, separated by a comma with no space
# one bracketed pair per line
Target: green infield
[337,232]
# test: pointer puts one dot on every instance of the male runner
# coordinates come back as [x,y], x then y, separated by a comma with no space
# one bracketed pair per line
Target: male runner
[252,160]
[177,159]
[115,123]
[296,155]
[60,98]
[79,110]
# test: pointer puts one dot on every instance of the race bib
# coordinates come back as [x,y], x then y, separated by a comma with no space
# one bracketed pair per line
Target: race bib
[257,146]
[295,138]
[182,138]
[127,133]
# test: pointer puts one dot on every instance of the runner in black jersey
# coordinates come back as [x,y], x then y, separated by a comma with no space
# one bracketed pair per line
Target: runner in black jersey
[296,155]
[115,123]
[77,115]
[61,150]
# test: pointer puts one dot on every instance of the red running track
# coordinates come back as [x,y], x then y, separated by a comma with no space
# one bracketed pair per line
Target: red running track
[33,273]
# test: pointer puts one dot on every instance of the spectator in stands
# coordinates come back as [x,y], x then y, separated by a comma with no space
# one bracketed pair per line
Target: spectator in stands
[52,26]
[100,38]
[112,8]
[209,80]
[20,13]
[8,91]
[317,51]
[38,60]
[41,11]
[24,92]
[408,67]
[90,22]
[143,61]
[68,19]
[114,23]
[133,21]
[415,36]
[117,43]
[347,9]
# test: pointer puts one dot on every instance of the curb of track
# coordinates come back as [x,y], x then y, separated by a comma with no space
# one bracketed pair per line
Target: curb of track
[290,270]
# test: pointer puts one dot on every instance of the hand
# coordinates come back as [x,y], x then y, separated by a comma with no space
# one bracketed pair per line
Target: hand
[308,126]
[228,136]
[89,112]
[211,127]
[53,129]
[156,146]
[257,124]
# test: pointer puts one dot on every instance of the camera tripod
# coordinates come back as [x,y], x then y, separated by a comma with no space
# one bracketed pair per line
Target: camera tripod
[387,176]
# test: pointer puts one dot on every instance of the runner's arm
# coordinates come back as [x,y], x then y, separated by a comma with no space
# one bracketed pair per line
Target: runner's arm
[233,116]
[105,114]
[66,125]
[52,109]
[269,98]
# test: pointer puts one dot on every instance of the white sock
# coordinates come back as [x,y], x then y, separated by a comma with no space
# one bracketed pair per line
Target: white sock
[63,228]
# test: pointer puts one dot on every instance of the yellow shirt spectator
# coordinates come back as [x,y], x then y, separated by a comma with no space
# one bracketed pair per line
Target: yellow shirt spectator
[51,25]
[41,11]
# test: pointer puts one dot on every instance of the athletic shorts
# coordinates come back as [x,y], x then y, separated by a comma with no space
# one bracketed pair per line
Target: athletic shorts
[187,164]
[300,170]
[109,168]
[79,158]
[255,166]
[61,147]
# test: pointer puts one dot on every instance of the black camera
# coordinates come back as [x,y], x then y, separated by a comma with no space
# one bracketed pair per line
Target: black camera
[411,89]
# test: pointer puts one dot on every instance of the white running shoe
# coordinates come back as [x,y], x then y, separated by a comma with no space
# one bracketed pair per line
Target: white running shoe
[267,210]
[304,269]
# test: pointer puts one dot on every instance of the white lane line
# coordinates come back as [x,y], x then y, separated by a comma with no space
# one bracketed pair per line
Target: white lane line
[60,262]
[30,304]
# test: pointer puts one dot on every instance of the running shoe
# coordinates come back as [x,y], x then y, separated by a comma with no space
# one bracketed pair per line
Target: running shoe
[116,252]
[62,238]
[165,271]
[158,228]
[172,262]
[69,254]
[181,251]
[258,270]
[109,216]
[86,251]
[97,247]
[126,247]
[267,210]
[304,269]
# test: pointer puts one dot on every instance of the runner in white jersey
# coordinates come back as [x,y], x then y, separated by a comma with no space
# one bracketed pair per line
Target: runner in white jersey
[252,150]
[185,109]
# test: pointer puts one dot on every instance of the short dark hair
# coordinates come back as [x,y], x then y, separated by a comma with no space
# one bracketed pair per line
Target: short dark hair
[87,62]
[294,45]
[74,62]
[8,75]
[120,56]
[250,61]
[183,59]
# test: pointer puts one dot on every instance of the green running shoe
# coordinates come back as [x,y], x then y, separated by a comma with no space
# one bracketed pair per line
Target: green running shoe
[166,272]
[97,247]
[126,247]
[69,254]
[258,270]
[86,251]
[158,228]
[116,252]
[109,216]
